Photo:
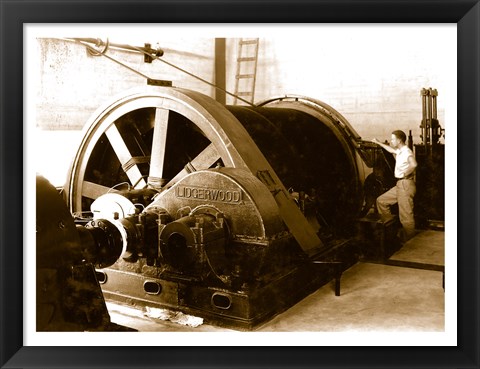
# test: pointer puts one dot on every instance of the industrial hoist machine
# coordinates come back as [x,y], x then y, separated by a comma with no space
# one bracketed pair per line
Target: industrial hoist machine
[229,213]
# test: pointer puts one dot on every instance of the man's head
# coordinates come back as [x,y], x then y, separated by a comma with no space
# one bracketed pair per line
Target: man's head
[398,138]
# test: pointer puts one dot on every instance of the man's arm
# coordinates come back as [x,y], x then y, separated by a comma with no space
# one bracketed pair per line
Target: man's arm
[386,147]
[412,164]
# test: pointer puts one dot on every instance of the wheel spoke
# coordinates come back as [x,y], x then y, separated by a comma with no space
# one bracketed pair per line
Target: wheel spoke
[94,191]
[204,160]
[124,156]
[157,163]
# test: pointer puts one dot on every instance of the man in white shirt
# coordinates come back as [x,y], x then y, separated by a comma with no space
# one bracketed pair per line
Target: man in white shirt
[404,191]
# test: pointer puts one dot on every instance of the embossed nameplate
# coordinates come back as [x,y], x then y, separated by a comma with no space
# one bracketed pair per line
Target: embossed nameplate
[209,194]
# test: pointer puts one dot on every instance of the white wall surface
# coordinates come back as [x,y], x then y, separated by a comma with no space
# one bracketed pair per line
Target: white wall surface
[72,84]
[372,75]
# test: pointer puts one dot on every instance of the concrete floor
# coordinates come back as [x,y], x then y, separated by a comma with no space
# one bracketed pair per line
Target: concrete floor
[374,297]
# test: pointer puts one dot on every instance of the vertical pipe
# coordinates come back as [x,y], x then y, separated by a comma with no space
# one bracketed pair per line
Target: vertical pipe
[220,70]
[429,117]
[435,125]
[424,116]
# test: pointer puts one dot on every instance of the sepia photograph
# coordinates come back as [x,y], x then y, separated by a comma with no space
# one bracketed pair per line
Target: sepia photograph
[231,184]
[244,179]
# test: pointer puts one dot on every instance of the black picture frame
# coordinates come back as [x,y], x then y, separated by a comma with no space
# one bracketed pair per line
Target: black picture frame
[14,14]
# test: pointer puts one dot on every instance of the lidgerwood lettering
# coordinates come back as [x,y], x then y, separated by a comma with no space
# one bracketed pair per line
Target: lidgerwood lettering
[210,194]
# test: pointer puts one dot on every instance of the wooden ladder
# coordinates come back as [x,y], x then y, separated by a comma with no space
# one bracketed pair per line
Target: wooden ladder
[246,74]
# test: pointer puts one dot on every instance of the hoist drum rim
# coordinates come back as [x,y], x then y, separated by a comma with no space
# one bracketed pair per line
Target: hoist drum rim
[341,123]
